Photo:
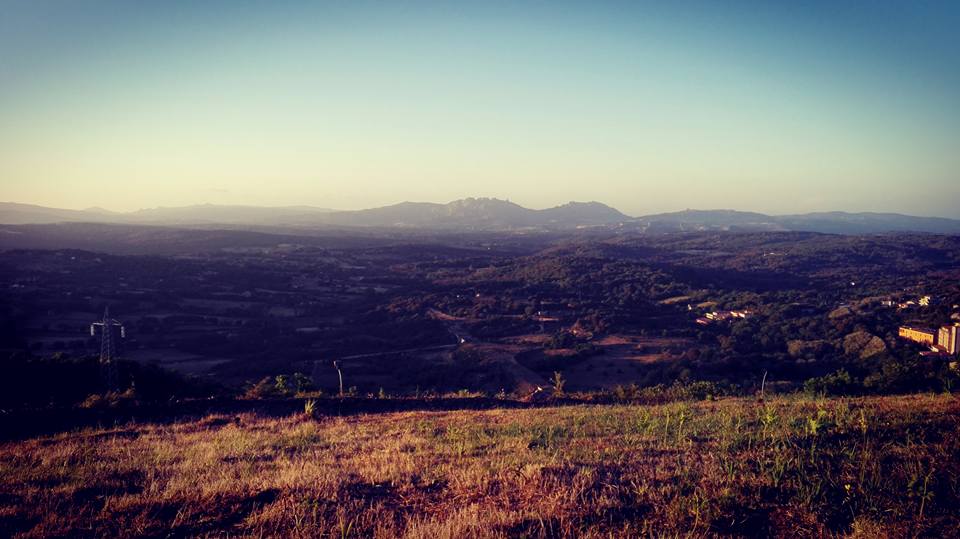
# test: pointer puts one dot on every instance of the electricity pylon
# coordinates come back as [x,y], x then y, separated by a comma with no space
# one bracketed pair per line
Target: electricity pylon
[111,333]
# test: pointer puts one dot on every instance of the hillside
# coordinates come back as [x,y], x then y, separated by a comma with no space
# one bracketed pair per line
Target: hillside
[21,214]
[159,240]
[789,467]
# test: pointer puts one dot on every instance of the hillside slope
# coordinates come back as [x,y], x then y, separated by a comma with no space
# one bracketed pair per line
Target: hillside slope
[794,467]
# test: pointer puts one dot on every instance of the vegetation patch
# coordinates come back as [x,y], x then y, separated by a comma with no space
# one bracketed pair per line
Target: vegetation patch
[788,466]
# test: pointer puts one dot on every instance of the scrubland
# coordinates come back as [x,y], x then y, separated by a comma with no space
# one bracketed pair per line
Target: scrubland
[791,466]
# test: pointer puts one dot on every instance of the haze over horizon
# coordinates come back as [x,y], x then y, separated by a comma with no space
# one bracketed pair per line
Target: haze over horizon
[200,205]
[648,108]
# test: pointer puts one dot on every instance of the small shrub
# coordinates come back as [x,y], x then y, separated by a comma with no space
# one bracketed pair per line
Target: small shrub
[558,383]
[284,385]
[837,383]
[266,388]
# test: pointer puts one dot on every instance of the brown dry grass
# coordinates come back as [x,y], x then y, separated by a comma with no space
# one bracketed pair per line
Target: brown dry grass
[792,467]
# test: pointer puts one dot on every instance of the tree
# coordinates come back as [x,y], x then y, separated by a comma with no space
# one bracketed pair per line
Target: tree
[302,382]
[561,340]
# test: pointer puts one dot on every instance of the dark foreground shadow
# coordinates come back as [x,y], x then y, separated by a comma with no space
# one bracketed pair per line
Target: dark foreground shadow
[21,424]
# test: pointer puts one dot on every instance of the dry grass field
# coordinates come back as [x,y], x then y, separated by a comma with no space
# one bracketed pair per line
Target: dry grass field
[876,467]
[625,359]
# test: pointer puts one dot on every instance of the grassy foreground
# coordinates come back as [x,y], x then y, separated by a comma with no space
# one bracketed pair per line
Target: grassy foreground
[792,467]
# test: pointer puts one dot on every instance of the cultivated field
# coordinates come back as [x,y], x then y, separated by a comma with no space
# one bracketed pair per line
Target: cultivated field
[789,467]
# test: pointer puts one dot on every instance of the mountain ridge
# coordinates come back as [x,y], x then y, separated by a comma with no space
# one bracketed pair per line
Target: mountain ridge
[488,214]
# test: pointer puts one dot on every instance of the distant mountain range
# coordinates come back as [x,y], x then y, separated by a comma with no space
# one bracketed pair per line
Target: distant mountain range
[480,214]
[824,222]
[22,214]
[466,214]
[486,214]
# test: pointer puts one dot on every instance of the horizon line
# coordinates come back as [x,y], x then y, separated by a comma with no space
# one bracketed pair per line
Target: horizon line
[337,210]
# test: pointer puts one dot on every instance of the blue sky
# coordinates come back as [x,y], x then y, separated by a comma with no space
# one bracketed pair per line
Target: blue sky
[773,107]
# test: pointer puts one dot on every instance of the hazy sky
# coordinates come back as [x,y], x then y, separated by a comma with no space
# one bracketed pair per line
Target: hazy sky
[775,107]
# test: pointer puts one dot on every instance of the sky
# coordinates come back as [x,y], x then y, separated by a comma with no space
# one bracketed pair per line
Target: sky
[777,107]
